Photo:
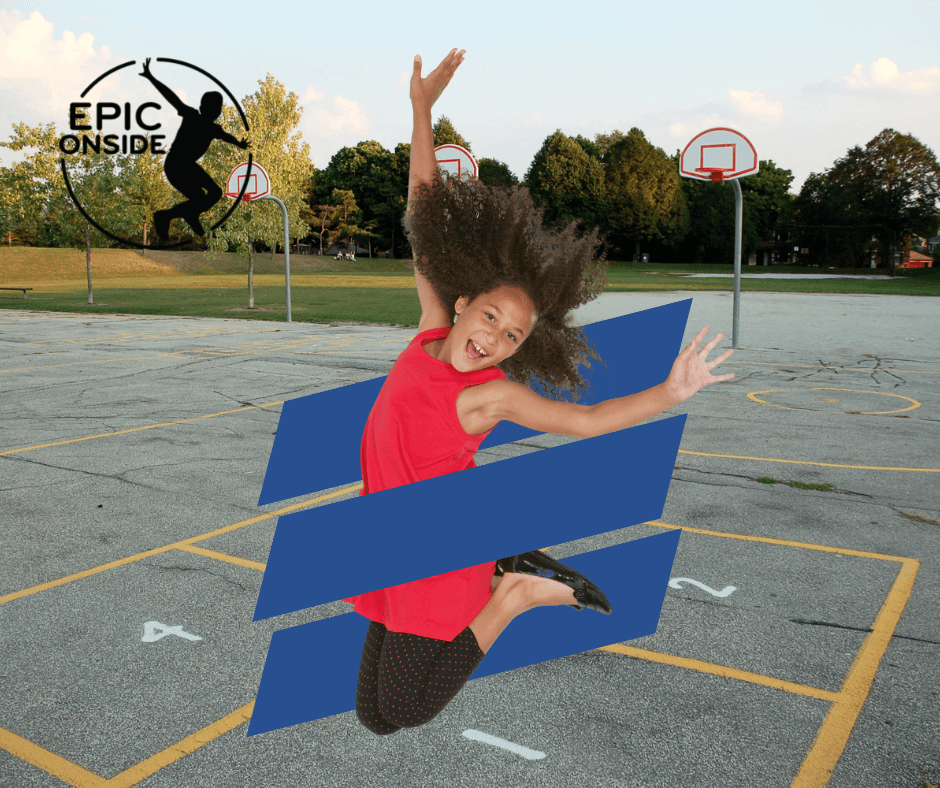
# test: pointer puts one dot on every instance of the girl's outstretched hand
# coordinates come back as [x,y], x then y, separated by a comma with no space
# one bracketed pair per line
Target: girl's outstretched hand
[424,92]
[691,372]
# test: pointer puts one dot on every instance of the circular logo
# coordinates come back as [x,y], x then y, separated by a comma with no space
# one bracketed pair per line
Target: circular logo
[197,131]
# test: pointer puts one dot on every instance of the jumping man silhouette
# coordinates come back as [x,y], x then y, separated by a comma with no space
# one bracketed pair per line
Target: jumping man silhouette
[193,139]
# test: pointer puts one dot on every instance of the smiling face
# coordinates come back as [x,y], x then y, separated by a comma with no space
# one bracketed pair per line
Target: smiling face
[489,329]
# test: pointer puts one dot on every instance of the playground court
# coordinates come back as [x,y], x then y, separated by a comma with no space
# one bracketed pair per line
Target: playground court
[799,636]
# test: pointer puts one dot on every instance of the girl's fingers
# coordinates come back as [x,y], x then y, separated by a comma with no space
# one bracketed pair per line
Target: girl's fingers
[717,361]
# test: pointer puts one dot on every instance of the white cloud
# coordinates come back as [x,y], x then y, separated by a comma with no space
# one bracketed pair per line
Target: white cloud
[402,80]
[754,104]
[44,73]
[343,117]
[885,74]
[678,130]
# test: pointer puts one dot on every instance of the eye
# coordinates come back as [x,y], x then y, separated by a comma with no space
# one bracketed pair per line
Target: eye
[489,316]
[511,336]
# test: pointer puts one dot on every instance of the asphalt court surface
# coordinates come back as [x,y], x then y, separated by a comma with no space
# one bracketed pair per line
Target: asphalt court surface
[800,635]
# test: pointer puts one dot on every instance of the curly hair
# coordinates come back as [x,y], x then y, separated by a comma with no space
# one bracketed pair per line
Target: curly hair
[469,239]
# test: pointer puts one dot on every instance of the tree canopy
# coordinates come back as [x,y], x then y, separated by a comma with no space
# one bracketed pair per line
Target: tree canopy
[567,182]
[889,189]
[644,196]
[446,134]
[378,180]
[496,173]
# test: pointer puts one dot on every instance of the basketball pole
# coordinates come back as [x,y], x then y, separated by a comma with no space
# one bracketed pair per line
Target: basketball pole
[738,232]
[286,249]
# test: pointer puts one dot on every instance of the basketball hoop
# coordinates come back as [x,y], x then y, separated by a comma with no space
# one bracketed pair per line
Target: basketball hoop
[719,155]
[716,174]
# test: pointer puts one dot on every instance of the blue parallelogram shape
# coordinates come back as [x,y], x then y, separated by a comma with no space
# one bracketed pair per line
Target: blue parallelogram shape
[311,670]
[318,436]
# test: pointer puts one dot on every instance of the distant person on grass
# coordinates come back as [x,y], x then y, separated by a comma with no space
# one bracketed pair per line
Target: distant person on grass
[193,139]
[483,257]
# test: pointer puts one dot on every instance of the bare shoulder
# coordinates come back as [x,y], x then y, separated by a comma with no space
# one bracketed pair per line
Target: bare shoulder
[434,319]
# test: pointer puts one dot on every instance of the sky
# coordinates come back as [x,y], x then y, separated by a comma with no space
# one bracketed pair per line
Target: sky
[804,81]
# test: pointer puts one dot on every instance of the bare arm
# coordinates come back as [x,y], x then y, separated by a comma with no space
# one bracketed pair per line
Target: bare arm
[168,94]
[504,400]
[423,168]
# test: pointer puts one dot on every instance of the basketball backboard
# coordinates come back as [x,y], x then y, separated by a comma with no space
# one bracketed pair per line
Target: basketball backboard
[456,161]
[719,154]
[259,185]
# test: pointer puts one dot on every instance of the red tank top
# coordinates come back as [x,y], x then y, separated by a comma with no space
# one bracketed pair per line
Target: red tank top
[413,434]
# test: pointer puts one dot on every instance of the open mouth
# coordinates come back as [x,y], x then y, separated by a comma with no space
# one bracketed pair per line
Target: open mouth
[474,351]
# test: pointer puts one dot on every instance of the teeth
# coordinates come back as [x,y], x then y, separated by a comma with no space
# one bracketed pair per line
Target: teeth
[479,349]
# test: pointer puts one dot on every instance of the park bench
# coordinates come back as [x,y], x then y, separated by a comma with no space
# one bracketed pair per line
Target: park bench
[24,289]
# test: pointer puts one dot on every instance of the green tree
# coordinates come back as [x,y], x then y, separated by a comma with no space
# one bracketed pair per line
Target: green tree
[643,190]
[767,209]
[446,134]
[892,185]
[34,181]
[95,179]
[9,211]
[496,173]
[566,182]
[344,215]
[378,180]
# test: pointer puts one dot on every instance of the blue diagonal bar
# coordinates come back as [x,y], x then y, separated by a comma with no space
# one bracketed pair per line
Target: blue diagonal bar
[311,670]
[318,436]
[423,529]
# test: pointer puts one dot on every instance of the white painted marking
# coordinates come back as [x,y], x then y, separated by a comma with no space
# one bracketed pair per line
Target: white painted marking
[154,630]
[525,752]
[726,591]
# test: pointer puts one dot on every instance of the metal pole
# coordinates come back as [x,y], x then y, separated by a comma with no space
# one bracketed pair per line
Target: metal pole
[286,248]
[738,222]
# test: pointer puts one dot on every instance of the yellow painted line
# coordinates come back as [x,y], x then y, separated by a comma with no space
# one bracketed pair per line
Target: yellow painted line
[752,395]
[84,363]
[840,369]
[128,336]
[187,746]
[834,733]
[333,343]
[722,670]
[56,765]
[138,429]
[783,542]
[230,559]
[809,462]
[180,545]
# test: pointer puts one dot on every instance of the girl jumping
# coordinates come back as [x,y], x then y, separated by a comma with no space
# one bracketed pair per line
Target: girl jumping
[495,288]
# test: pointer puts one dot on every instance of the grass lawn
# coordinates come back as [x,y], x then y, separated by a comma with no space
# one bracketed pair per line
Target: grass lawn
[328,290]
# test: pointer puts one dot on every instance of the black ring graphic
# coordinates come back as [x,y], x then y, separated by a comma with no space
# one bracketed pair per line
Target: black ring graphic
[221,221]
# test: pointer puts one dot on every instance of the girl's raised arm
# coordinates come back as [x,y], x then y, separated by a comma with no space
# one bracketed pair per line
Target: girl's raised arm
[423,168]
[504,400]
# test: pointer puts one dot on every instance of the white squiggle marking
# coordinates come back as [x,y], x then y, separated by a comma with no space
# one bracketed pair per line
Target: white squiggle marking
[154,630]
[525,752]
[726,591]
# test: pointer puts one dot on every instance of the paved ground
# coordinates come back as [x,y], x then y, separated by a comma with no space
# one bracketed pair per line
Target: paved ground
[801,633]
